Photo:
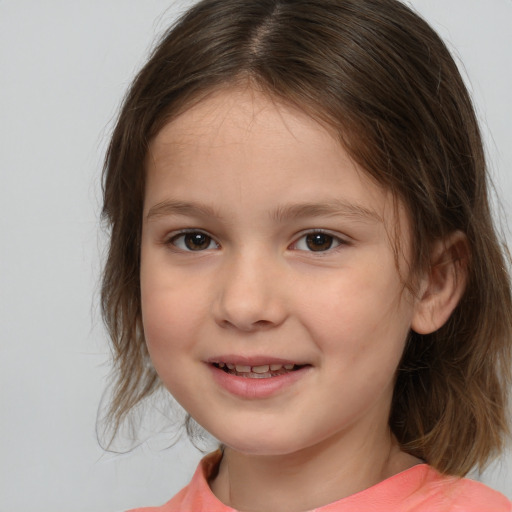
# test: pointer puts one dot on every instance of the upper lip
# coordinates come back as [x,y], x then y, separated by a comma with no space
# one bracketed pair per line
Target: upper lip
[259,360]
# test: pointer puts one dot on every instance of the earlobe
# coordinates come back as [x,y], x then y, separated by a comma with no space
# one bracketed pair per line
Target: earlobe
[443,285]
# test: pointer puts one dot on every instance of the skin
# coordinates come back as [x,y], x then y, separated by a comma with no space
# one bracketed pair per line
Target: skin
[239,168]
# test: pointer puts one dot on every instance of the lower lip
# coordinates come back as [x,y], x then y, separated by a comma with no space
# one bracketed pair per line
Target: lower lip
[248,388]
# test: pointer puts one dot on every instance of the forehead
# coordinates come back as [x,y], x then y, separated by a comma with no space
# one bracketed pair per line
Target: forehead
[249,139]
[239,119]
[237,115]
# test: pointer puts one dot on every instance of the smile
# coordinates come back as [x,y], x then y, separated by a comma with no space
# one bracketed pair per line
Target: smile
[264,371]
[256,378]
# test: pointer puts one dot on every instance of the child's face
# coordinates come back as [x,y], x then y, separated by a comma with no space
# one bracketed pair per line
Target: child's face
[264,244]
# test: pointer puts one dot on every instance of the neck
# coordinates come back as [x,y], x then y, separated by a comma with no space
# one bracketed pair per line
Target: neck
[329,471]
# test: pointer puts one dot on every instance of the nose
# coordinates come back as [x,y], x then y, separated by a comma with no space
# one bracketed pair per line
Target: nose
[250,294]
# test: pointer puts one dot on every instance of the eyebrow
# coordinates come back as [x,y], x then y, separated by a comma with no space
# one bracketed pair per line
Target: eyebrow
[332,208]
[181,208]
[336,208]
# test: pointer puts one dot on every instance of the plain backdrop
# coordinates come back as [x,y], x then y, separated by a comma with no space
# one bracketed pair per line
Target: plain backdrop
[64,67]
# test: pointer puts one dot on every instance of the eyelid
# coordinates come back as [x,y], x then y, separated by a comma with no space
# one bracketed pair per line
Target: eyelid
[341,240]
[171,237]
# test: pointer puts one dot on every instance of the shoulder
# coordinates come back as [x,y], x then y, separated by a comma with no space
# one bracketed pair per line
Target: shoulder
[474,496]
[451,494]
[422,489]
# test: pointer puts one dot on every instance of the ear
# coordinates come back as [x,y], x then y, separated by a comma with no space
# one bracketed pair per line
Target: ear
[443,284]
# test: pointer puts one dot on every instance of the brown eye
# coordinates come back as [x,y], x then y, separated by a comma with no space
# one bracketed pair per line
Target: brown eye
[197,241]
[319,241]
[194,241]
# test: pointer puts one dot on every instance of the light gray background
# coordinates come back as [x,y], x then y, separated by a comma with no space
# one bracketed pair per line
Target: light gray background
[64,66]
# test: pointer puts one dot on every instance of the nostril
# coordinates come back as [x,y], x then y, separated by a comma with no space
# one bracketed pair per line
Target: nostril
[258,325]
[263,323]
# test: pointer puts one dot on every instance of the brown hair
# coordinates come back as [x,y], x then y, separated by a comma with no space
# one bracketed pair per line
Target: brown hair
[378,75]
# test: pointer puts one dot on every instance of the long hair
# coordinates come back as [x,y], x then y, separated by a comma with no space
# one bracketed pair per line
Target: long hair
[383,80]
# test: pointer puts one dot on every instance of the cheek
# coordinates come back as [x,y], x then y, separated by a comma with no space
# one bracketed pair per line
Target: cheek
[169,312]
[170,328]
[362,314]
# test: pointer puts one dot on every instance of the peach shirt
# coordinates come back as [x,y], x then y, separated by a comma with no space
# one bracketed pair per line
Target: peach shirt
[418,489]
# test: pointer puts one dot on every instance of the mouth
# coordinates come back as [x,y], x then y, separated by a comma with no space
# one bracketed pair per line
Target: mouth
[257,377]
[262,371]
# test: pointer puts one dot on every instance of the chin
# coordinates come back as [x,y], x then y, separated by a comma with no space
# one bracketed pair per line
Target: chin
[265,444]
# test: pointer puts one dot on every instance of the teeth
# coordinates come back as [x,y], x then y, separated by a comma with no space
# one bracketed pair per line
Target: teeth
[261,369]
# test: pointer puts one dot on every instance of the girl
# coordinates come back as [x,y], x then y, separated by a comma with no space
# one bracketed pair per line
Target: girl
[302,253]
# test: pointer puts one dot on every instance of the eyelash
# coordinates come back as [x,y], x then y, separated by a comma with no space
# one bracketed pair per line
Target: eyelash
[172,240]
[335,241]
[181,236]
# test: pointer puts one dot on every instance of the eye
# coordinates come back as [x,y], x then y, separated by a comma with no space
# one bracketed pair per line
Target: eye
[317,242]
[193,241]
